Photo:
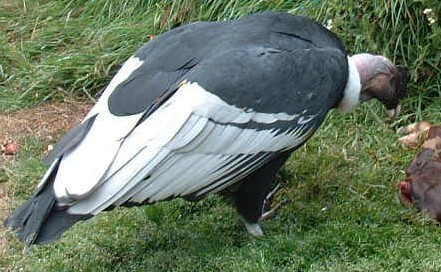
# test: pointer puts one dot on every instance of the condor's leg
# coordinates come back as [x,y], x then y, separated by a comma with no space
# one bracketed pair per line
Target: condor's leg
[249,198]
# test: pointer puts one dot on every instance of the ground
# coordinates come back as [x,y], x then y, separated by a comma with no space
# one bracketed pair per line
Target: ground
[46,123]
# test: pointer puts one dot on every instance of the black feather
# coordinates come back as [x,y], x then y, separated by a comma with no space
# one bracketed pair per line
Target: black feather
[29,217]
[169,57]
[38,221]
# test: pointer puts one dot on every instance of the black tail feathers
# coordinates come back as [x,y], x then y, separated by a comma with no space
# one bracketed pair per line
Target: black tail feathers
[29,218]
[38,220]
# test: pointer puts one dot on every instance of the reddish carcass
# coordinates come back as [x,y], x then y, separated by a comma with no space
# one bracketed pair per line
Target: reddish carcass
[422,185]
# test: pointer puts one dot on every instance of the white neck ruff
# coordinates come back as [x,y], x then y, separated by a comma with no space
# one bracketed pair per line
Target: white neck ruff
[351,96]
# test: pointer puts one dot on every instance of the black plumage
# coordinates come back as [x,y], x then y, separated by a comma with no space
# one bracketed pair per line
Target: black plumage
[264,39]
[205,108]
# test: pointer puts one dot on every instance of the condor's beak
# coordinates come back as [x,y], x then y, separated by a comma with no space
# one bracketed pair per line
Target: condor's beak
[393,113]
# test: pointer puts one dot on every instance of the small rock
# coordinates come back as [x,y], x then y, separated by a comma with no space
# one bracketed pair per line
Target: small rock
[11,148]
[50,148]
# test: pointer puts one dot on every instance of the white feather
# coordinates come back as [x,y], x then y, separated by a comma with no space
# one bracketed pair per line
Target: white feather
[352,90]
[82,168]
[48,173]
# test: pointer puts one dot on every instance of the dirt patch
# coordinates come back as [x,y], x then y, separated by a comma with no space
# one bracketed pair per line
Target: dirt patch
[48,123]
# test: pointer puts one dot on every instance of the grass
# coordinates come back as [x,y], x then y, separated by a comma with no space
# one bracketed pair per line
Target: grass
[53,49]
[344,212]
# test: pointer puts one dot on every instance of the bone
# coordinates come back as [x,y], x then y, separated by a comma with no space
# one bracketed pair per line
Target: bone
[414,134]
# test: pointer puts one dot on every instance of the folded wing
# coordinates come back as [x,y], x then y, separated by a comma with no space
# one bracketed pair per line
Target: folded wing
[196,143]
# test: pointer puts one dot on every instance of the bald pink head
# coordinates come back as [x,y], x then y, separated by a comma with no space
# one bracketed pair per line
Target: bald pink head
[380,79]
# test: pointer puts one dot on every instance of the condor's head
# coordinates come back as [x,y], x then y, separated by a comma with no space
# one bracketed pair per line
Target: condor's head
[382,80]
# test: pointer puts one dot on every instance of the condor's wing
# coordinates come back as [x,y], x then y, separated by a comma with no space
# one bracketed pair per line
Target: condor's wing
[229,115]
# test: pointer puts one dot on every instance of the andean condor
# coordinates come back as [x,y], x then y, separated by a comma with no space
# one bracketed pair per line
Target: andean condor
[205,108]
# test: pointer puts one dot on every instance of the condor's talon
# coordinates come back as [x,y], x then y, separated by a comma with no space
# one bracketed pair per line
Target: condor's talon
[272,212]
[269,197]
[271,194]
[267,203]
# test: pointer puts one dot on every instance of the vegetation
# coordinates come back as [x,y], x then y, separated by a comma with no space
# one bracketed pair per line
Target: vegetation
[343,214]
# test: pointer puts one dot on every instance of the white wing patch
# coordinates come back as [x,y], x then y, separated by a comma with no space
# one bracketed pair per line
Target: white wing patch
[190,145]
[83,167]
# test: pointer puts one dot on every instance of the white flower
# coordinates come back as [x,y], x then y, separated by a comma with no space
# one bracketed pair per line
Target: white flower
[430,15]
[427,11]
